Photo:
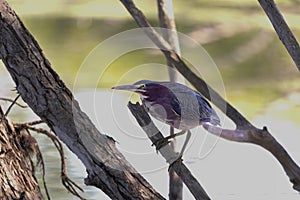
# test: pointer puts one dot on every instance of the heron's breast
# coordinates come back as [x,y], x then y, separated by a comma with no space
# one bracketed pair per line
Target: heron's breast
[166,114]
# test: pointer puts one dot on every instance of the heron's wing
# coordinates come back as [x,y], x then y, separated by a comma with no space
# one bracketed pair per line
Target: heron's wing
[176,106]
[191,105]
[204,108]
[207,113]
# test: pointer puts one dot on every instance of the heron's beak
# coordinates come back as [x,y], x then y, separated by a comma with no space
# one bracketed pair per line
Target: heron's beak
[133,88]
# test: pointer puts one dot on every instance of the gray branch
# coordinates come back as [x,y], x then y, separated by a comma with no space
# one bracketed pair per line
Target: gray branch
[283,31]
[167,23]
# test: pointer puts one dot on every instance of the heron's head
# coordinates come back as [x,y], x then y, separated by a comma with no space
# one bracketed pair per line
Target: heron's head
[149,90]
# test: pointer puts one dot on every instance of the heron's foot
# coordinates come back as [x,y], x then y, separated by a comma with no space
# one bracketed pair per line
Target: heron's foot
[178,160]
[164,141]
[161,143]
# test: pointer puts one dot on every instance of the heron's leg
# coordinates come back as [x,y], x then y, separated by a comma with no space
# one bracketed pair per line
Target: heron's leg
[178,159]
[187,138]
[164,141]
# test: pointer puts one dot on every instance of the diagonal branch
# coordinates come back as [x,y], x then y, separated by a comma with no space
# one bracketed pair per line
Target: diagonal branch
[283,31]
[245,131]
[167,152]
[11,100]
[11,105]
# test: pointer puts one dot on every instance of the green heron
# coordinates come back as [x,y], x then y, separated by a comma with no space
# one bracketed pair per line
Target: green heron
[174,104]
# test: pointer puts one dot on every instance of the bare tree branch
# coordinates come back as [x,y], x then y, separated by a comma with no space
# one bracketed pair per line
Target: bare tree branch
[11,105]
[283,31]
[167,152]
[167,22]
[11,100]
[245,131]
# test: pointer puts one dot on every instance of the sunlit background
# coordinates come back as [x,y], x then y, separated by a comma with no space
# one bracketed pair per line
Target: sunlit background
[259,77]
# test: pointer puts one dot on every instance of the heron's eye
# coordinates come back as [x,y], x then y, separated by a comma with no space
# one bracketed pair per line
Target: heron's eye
[142,86]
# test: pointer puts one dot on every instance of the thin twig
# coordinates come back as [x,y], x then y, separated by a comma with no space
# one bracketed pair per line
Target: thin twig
[40,161]
[11,105]
[11,100]
[26,124]
[35,122]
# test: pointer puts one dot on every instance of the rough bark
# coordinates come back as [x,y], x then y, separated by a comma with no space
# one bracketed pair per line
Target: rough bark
[46,94]
[17,180]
